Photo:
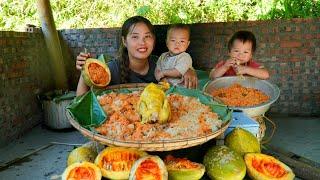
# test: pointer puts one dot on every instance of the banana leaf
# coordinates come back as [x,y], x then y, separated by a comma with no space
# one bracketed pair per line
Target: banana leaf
[203,78]
[87,110]
[101,58]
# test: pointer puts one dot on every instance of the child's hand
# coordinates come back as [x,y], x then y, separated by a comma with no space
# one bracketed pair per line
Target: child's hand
[241,70]
[230,63]
[159,74]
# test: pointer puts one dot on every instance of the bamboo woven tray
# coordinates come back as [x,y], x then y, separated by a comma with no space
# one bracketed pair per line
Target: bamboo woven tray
[164,145]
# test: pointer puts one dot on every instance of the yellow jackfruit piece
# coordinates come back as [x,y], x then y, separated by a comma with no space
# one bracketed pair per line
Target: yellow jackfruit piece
[153,105]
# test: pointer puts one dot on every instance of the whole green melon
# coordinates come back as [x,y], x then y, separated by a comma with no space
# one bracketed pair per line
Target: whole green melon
[222,163]
[242,141]
[81,154]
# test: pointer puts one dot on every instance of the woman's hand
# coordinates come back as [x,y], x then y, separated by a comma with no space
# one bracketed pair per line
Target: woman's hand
[190,79]
[81,60]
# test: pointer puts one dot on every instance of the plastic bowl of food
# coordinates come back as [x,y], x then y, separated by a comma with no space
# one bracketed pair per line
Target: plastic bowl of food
[250,82]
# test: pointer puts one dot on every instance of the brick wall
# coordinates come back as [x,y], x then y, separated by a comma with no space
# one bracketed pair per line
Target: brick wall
[290,49]
[24,73]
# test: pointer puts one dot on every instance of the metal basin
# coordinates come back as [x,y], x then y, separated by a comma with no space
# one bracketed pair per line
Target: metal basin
[270,89]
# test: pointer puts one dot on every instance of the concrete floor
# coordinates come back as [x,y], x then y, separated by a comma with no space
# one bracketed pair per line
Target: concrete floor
[45,153]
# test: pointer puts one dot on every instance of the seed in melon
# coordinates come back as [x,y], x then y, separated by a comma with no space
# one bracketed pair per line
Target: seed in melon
[96,73]
[183,169]
[265,167]
[116,162]
[149,167]
[83,170]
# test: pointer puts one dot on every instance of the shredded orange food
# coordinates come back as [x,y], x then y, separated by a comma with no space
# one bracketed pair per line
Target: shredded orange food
[189,118]
[97,74]
[237,95]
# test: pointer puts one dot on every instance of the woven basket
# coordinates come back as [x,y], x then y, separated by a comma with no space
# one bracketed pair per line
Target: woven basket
[165,145]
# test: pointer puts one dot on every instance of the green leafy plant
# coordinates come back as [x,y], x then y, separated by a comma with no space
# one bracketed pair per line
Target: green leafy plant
[293,9]
[69,14]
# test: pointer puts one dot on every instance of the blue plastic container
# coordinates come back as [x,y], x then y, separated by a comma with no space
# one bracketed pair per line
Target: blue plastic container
[239,119]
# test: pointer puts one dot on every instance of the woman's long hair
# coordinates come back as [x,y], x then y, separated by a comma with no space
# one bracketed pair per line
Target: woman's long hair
[127,27]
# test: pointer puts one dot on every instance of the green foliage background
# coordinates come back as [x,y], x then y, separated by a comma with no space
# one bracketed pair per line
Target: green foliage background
[68,14]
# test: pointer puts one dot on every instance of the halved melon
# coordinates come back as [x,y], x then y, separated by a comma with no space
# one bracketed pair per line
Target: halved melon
[183,169]
[148,168]
[96,73]
[81,154]
[116,162]
[265,167]
[83,170]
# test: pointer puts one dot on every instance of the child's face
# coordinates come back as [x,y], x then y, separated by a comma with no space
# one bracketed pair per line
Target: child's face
[241,51]
[177,41]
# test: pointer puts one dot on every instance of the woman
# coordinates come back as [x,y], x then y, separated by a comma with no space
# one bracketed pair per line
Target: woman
[135,64]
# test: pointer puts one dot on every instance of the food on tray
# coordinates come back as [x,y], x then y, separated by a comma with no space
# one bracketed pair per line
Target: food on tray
[242,141]
[237,95]
[189,118]
[183,169]
[83,170]
[81,154]
[153,104]
[96,73]
[148,167]
[116,162]
[261,166]
[223,163]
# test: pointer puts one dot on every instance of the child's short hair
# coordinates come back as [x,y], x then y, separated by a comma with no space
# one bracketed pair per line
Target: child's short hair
[244,36]
[179,26]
